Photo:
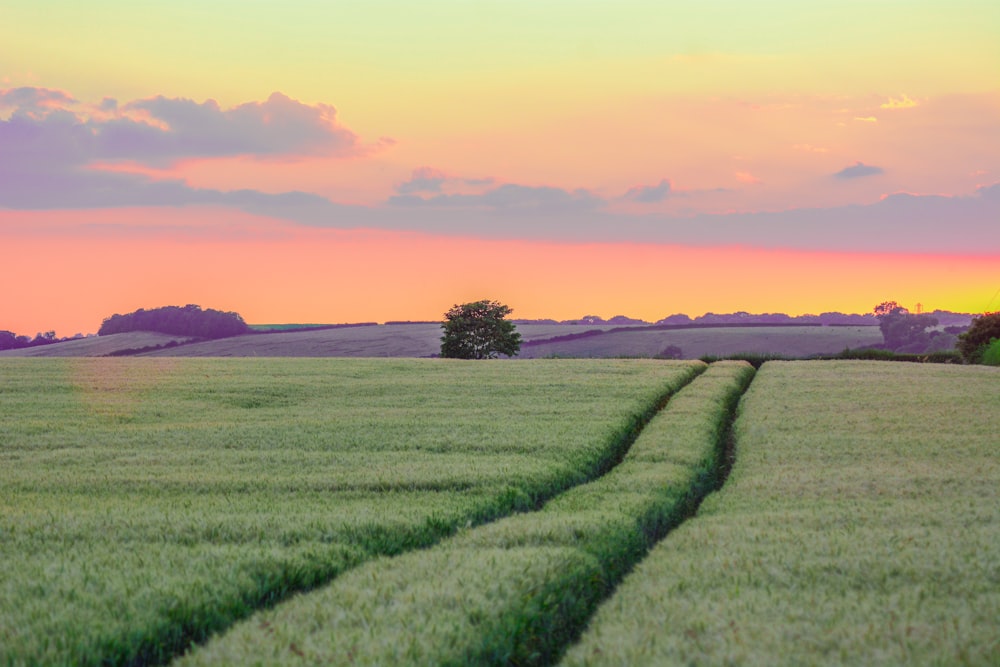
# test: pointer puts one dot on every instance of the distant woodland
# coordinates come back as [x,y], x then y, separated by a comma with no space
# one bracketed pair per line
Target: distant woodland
[190,321]
[11,341]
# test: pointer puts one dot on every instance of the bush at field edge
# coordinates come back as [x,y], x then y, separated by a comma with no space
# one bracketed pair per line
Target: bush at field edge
[991,355]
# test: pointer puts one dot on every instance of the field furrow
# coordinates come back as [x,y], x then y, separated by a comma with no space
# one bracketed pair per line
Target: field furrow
[145,504]
[860,526]
[515,591]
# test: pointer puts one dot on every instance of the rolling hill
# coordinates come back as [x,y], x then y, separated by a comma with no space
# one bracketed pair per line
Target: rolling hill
[423,340]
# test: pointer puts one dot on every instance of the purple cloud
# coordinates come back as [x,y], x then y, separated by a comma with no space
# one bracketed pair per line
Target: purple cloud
[423,179]
[510,197]
[649,194]
[900,222]
[279,126]
[428,179]
[49,142]
[28,100]
[161,130]
[858,170]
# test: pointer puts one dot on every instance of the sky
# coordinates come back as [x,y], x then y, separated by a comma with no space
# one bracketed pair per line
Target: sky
[327,162]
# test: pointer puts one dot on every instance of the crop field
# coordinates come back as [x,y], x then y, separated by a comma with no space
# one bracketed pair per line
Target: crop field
[96,346]
[860,525]
[385,340]
[407,511]
[516,590]
[146,503]
[791,342]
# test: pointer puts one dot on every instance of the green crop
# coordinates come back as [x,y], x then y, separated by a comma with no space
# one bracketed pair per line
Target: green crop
[146,503]
[860,525]
[517,590]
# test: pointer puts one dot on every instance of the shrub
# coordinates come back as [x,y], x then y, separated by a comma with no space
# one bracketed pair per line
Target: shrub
[671,352]
[755,359]
[973,343]
[991,357]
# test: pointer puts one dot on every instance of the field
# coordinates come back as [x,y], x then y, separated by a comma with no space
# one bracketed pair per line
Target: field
[527,512]
[95,346]
[545,340]
[694,343]
[860,525]
[514,591]
[146,503]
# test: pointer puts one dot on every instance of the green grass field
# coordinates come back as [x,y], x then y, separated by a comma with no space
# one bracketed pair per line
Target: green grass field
[861,525]
[146,503]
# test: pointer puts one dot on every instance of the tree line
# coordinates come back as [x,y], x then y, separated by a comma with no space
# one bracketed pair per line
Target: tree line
[11,341]
[905,332]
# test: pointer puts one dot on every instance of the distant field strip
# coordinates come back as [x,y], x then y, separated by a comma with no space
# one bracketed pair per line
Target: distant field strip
[860,525]
[515,591]
[146,503]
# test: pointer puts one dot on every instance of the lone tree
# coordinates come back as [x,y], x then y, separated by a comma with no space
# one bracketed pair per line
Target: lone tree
[478,330]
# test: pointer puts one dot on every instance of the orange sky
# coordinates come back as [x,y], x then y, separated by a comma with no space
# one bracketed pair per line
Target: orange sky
[272,272]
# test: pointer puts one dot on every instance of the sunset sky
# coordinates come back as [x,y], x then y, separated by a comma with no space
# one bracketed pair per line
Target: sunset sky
[318,161]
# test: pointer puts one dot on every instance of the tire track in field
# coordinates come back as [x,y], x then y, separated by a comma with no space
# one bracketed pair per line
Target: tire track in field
[521,589]
[156,650]
[712,481]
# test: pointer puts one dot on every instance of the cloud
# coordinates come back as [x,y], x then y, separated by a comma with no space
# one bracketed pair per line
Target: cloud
[30,101]
[51,128]
[428,179]
[50,141]
[866,119]
[904,103]
[423,179]
[509,198]
[900,223]
[650,194]
[179,128]
[747,178]
[858,170]
[84,188]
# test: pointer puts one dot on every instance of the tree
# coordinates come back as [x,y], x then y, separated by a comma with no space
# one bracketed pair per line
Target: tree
[902,331]
[8,340]
[976,339]
[887,307]
[478,330]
